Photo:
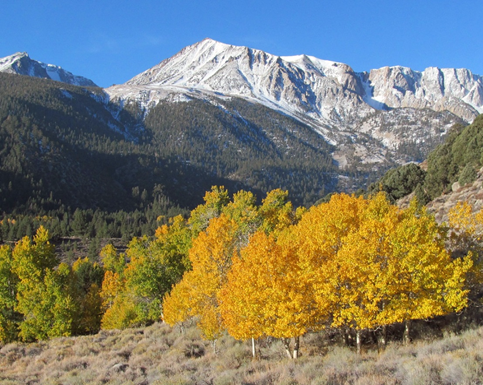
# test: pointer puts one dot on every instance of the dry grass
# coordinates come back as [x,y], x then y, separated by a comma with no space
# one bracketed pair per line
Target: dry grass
[159,354]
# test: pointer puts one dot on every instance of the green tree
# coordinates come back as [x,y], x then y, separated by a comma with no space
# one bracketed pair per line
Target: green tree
[468,175]
[215,200]
[9,318]
[85,288]
[43,294]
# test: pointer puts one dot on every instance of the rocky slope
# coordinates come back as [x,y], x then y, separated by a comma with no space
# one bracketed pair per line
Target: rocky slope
[440,206]
[471,193]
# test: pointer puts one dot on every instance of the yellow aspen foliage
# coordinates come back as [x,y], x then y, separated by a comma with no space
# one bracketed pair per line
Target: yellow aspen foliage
[318,238]
[47,306]
[244,212]
[175,241]
[134,294]
[372,264]
[429,282]
[363,266]
[244,296]
[112,286]
[210,256]
[213,249]
[32,258]
[44,296]
[121,314]
[177,303]
[277,212]
[466,234]
[120,308]
[155,266]
[462,219]
[264,293]
[242,208]
[210,321]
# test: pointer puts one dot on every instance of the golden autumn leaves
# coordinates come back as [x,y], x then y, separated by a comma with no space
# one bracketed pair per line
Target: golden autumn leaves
[352,262]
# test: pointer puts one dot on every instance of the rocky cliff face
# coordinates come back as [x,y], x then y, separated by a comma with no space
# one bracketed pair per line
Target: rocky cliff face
[329,92]
[455,90]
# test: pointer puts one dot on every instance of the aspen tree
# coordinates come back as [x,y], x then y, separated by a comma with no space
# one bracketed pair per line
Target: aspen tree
[9,318]
[466,234]
[210,255]
[265,294]
[372,264]
[44,297]
[427,281]
[200,217]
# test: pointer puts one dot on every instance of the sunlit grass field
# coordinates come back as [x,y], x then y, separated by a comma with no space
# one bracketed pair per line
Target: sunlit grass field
[159,354]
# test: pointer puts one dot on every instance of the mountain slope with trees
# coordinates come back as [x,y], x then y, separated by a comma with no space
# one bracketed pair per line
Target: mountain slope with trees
[64,143]
[457,159]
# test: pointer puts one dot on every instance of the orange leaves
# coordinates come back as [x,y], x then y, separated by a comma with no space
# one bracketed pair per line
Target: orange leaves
[391,265]
[360,262]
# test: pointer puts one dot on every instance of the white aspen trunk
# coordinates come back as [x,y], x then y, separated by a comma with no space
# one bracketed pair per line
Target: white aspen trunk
[253,348]
[406,332]
[286,344]
[347,336]
[383,339]
[358,341]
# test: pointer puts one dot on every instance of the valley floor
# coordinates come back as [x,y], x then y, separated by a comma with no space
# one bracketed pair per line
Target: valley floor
[159,354]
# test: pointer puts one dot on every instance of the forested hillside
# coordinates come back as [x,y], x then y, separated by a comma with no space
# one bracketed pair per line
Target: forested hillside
[83,167]
[458,159]
[67,149]
[63,144]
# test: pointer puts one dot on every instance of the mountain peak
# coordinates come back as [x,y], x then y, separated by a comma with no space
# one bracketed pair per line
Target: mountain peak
[7,62]
[20,63]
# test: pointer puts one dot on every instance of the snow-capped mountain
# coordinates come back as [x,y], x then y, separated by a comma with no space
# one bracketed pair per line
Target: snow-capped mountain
[384,116]
[327,91]
[370,114]
[21,64]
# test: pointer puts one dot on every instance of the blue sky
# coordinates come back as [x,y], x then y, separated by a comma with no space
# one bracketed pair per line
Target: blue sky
[112,41]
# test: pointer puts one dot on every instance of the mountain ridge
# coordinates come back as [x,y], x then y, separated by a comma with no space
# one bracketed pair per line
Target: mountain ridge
[20,63]
[209,65]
